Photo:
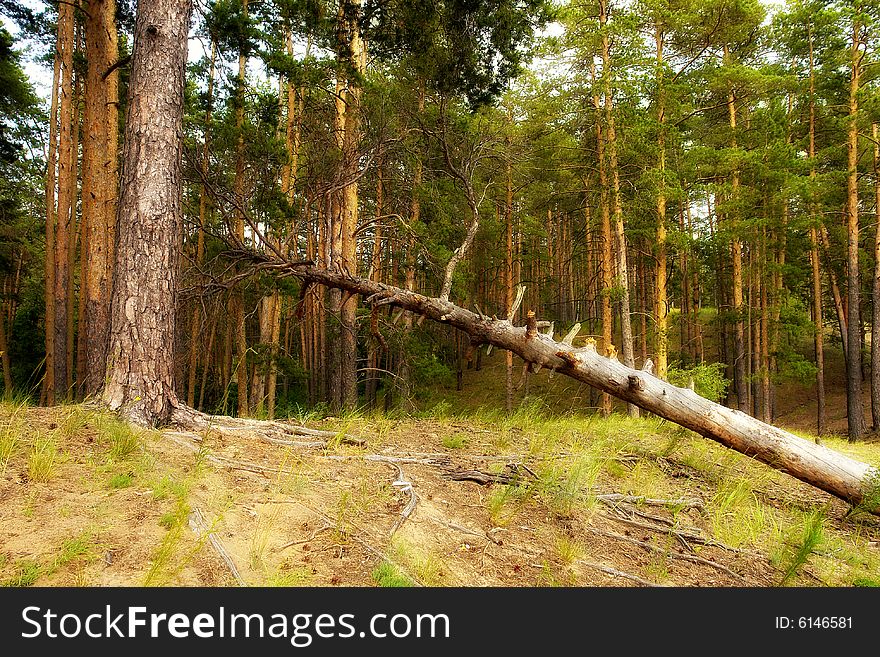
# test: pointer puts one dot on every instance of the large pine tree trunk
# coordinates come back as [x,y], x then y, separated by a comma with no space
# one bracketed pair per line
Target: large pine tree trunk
[140,372]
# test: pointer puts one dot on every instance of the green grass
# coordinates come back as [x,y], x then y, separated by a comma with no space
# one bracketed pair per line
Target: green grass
[42,459]
[565,487]
[387,575]
[425,566]
[121,480]
[75,548]
[167,487]
[165,563]
[293,577]
[27,572]
[867,581]
[505,501]
[455,441]
[122,439]
[804,539]
[10,439]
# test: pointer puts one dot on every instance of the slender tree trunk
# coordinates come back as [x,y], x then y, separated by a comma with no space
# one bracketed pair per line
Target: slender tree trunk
[236,310]
[140,373]
[48,393]
[739,355]
[819,336]
[620,234]
[194,333]
[66,200]
[607,253]
[4,353]
[855,417]
[661,309]
[508,263]
[839,304]
[375,274]
[99,188]
[356,57]
[875,318]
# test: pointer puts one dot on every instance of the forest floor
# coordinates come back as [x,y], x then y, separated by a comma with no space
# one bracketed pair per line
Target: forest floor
[85,500]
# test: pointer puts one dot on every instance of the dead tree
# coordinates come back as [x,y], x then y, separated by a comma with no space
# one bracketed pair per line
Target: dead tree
[853,481]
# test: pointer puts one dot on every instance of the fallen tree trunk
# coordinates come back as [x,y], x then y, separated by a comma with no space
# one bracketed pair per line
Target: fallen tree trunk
[851,480]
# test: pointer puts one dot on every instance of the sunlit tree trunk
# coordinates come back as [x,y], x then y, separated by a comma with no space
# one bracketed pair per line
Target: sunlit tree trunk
[626,337]
[661,310]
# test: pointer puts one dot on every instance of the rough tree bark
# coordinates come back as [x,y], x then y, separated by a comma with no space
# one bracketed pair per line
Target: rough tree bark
[140,370]
[833,472]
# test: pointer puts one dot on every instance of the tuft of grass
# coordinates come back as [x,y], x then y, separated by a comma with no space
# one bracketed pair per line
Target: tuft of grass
[27,572]
[569,549]
[736,514]
[260,540]
[42,459]
[167,520]
[294,577]
[121,438]
[455,441]
[866,581]
[122,480]
[166,487]
[504,502]
[74,548]
[565,488]
[175,521]
[76,419]
[426,567]
[10,438]
[387,575]
[806,536]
